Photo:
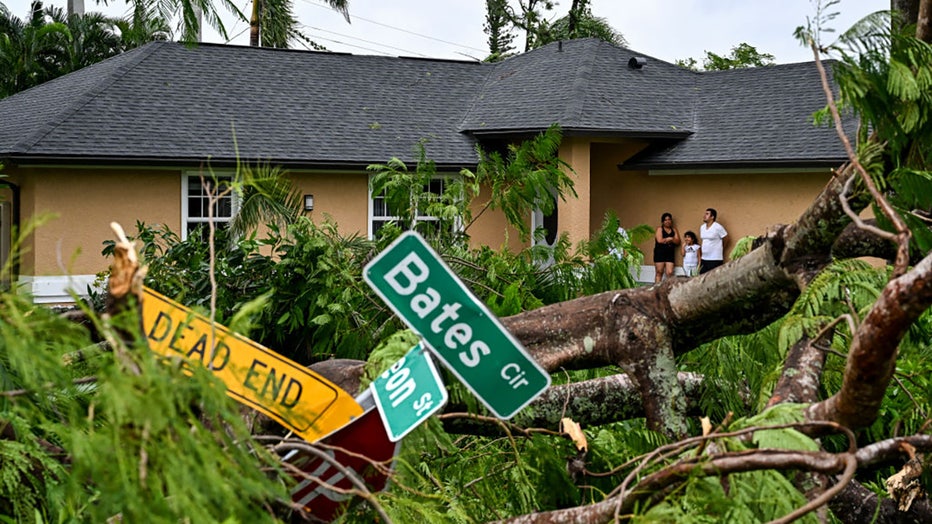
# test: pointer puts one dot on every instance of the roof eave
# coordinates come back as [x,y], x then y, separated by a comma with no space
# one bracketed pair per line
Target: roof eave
[813,163]
[192,162]
[581,131]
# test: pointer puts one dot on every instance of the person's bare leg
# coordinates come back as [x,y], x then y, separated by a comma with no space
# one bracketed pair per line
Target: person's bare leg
[658,271]
[668,269]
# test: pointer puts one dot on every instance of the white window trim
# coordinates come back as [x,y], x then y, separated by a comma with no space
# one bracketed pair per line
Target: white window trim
[185,219]
[57,289]
[419,218]
[537,220]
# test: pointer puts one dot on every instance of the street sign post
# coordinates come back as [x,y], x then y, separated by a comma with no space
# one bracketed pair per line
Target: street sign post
[357,447]
[408,393]
[458,328]
[298,398]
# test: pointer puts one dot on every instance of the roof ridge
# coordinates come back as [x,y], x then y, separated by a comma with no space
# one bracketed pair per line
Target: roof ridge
[574,108]
[28,142]
[478,93]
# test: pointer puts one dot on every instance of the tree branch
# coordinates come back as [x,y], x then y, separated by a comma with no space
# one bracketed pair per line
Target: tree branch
[872,357]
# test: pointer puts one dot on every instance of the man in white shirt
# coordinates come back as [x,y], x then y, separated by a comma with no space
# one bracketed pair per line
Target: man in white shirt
[713,248]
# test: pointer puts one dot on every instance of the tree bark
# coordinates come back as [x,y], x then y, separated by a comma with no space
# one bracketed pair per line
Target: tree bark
[924,21]
[906,12]
[858,505]
[802,373]
[591,403]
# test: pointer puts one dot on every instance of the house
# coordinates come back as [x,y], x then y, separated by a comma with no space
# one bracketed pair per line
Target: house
[125,139]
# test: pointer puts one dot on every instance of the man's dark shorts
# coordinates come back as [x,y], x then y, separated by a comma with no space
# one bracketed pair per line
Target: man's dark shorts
[709,265]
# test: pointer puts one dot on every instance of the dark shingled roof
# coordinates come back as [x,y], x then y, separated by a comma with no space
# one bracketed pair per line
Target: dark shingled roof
[168,104]
[757,116]
[587,86]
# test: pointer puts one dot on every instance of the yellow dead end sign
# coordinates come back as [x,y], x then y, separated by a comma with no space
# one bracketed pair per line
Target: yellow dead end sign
[298,398]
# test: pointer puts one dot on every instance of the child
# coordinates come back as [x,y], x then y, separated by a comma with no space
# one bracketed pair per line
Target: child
[692,254]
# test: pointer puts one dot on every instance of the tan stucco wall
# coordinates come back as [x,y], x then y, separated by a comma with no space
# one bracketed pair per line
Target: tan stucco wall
[341,196]
[81,203]
[573,213]
[748,202]
[490,227]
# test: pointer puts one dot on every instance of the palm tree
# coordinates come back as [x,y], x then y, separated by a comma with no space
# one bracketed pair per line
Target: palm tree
[188,13]
[31,50]
[266,196]
[90,38]
[273,24]
[578,23]
[143,26]
[51,43]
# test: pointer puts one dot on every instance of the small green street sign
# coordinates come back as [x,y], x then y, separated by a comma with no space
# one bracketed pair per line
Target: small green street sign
[456,326]
[408,393]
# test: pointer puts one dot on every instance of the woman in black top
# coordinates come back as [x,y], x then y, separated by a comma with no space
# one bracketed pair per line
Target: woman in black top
[666,238]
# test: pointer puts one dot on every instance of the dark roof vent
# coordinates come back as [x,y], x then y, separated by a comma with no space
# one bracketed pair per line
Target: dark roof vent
[637,62]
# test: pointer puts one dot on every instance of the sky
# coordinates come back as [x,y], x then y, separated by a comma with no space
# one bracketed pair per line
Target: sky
[453,29]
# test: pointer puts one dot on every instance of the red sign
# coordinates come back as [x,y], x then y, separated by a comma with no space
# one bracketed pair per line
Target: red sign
[365,436]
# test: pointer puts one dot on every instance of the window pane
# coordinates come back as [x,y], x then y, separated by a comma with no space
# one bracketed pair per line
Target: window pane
[199,200]
[194,207]
[378,207]
[382,212]
[436,186]
[224,208]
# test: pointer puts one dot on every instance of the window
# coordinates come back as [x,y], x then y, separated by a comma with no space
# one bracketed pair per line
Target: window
[380,212]
[547,222]
[195,203]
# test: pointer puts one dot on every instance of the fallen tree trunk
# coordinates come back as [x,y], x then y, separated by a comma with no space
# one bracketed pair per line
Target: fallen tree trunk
[642,330]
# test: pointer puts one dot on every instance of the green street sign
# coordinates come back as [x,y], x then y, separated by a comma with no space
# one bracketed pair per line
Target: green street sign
[456,326]
[408,393]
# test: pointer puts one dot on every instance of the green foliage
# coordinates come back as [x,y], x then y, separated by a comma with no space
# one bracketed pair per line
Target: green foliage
[50,43]
[387,353]
[907,406]
[741,56]
[532,18]
[526,177]
[143,439]
[315,303]
[501,479]
[320,307]
[757,496]
[887,78]
[585,25]
[412,197]
[180,268]
[846,286]
[784,438]
[266,196]
[742,247]
[913,200]
[739,372]
[21,489]
[499,33]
